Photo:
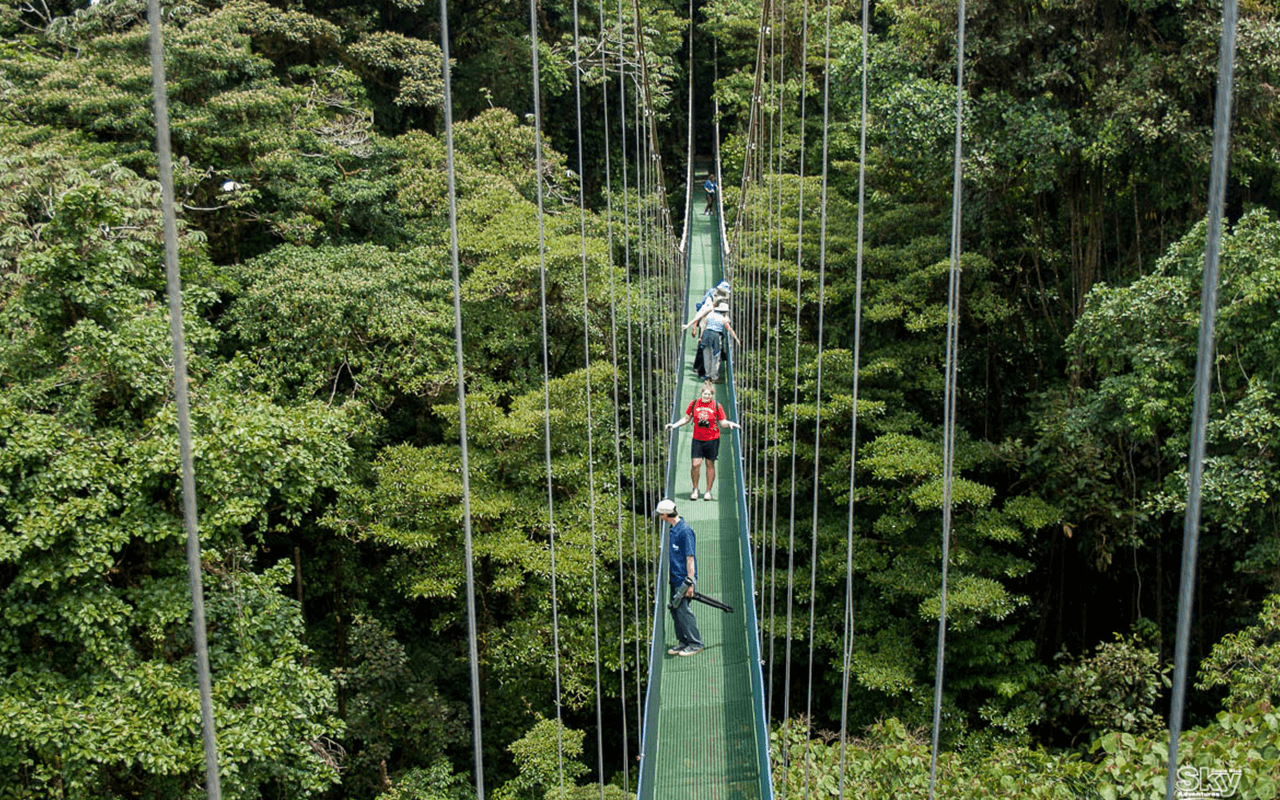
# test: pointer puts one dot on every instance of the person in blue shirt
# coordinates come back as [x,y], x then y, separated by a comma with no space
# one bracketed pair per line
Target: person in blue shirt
[682,558]
[709,189]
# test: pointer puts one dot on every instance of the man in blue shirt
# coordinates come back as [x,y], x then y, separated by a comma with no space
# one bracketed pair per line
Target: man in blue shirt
[709,189]
[683,557]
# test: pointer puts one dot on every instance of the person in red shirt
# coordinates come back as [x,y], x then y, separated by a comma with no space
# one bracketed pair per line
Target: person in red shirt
[708,418]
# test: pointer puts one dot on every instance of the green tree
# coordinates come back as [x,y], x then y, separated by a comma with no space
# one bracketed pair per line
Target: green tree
[1115,449]
[98,692]
[1245,661]
[1117,688]
[548,758]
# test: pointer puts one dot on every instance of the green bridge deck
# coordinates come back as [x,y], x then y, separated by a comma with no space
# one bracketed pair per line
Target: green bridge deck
[704,730]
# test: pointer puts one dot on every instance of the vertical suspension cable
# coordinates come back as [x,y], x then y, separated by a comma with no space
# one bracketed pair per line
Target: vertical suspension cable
[646,348]
[546,376]
[949,399]
[173,288]
[651,128]
[853,420]
[817,429]
[688,160]
[1204,364]
[472,647]
[617,424]
[644,224]
[750,215]
[637,631]
[760,363]
[795,391]
[746,224]
[776,241]
[764,249]
[586,364]
[641,182]
[753,122]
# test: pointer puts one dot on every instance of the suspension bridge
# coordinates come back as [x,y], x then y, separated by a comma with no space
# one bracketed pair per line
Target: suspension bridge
[705,727]
[705,734]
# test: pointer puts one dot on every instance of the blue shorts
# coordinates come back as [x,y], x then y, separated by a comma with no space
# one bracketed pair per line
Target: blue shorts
[709,449]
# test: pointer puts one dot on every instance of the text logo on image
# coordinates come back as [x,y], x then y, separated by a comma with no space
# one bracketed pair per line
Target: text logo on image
[1206,782]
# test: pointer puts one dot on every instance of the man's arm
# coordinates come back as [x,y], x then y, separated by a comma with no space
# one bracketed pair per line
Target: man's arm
[706,309]
[690,569]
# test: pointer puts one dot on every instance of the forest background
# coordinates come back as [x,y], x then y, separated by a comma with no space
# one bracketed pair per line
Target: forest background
[315,253]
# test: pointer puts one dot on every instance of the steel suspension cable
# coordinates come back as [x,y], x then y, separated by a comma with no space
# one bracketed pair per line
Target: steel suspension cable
[744,367]
[764,244]
[646,346]
[546,377]
[182,402]
[795,390]
[817,429]
[586,363]
[727,261]
[853,420]
[637,630]
[1204,363]
[651,117]
[617,423]
[776,241]
[650,528]
[747,226]
[472,647]
[949,397]
[752,120]
[750,215]
[749,218]
[688,160]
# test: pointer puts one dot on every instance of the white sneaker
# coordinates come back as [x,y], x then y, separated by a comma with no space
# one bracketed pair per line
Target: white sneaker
[707,495]
[694,494]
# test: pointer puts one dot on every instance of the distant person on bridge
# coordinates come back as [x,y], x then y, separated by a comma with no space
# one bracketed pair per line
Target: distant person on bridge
[709,189]
[708,418]
[720,293]
[716,294]
[714,326]
[682,554]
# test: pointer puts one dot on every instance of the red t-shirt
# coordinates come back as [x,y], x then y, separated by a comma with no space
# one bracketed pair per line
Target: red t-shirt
[706,419]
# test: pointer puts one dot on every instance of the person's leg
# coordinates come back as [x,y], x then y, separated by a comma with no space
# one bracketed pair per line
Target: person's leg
[695,471]
[678,622]
[686,624]
[711,473]
[711,344]
[712,353]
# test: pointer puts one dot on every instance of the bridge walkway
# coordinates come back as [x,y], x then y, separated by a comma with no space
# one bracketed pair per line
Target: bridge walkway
[705,736]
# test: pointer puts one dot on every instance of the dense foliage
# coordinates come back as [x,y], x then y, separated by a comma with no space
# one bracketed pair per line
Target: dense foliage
[319,312]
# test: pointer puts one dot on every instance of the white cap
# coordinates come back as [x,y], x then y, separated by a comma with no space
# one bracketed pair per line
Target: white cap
[666,507]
